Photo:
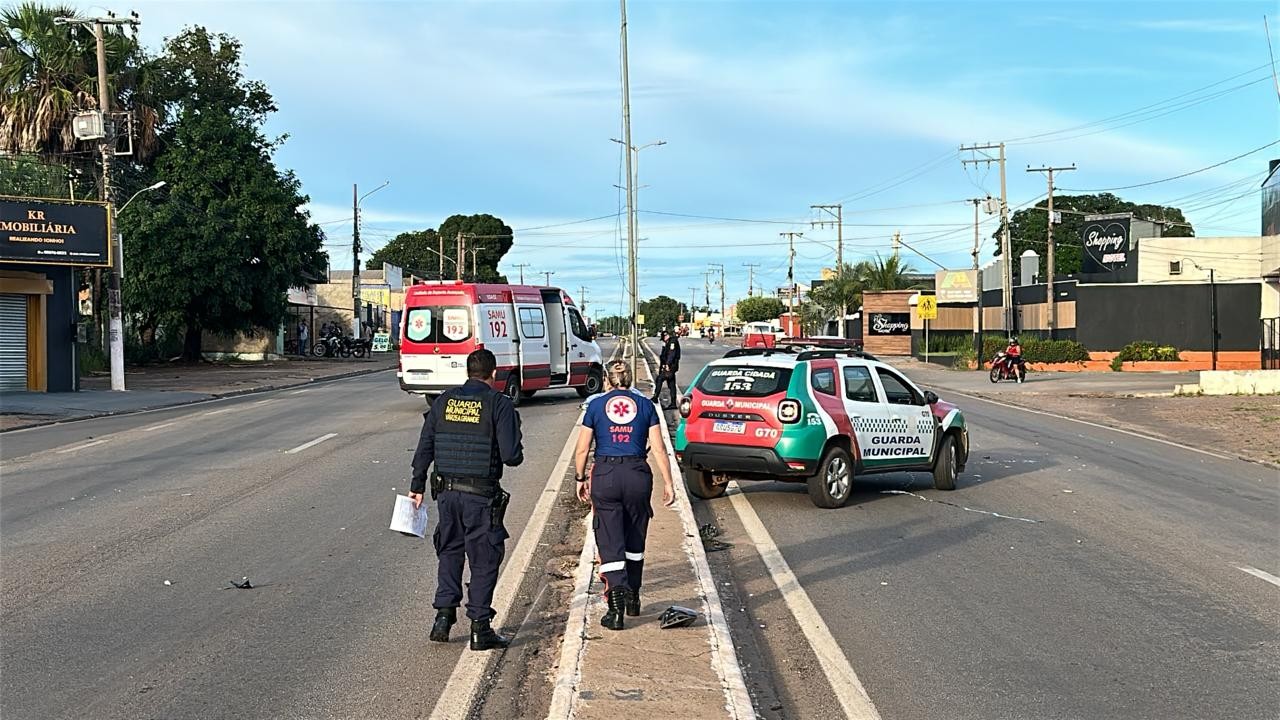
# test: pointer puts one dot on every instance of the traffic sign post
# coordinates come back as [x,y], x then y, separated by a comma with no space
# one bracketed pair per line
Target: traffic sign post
[926,310]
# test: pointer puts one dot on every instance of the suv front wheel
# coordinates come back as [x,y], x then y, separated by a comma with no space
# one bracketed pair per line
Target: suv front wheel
[833,484]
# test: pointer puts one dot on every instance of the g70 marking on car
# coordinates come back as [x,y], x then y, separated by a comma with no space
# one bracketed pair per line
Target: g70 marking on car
[766,432]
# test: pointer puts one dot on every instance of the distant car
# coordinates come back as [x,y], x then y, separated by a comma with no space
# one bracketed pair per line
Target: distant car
[819,416]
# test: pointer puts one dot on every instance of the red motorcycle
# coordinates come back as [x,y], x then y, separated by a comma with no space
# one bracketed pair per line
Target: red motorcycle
[1006,367]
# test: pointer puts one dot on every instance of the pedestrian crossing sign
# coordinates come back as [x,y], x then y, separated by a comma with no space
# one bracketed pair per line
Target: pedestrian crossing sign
[927,307]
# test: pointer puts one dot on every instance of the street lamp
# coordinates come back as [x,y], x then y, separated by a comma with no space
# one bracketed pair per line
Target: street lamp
[115,323]
[633,179]
[1213,311]
[355,254]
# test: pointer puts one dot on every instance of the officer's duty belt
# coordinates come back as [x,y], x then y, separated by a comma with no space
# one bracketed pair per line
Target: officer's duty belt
[467,487]
[618,458]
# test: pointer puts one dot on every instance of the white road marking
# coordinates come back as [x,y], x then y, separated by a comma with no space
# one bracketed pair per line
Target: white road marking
[81,446]
[264,402]
[299,392]
[575,635]
[962,507]
[460,689]
[1260,574]
[161,426]
[311,444]
[225,409]
[844,681]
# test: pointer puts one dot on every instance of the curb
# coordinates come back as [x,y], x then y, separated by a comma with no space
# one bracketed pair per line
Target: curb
[724,656]
[210,398]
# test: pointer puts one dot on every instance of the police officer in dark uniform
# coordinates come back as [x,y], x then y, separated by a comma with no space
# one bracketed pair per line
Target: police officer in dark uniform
[668,364]
[625,427]
[469,433]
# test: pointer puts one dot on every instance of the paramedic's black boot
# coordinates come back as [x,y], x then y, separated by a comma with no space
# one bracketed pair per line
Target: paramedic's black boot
[445,618]
[484,638]
[617,600]
[633,602]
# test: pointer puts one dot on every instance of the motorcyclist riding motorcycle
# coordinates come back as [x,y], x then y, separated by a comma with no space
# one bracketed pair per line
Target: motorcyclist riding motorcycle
[1009,364]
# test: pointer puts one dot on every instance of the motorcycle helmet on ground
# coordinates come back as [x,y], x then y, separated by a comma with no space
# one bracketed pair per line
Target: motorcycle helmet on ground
[677,616]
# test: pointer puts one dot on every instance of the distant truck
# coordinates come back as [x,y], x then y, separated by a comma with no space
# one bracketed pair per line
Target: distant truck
[540,339]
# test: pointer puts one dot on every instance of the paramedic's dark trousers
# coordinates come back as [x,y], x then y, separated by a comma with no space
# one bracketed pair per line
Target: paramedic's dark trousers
[465,532]
[620,495]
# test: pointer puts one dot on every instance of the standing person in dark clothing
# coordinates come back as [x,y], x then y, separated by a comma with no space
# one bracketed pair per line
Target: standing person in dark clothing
[624,429]
[669,364]
[469,433]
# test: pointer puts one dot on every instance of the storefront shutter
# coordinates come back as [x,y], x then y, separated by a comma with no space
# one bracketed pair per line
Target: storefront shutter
[13,342]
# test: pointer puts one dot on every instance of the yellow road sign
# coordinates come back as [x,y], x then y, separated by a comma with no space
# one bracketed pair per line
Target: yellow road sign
[927,307]
[640,319]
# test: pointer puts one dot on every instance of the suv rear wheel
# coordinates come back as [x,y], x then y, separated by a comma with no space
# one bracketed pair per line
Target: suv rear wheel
[702,484]
[833,484]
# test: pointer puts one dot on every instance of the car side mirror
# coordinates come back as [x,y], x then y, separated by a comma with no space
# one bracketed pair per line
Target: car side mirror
[930,397]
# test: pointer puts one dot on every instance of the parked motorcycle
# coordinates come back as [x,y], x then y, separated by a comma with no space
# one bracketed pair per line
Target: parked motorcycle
[328,346]
[357,347]
[1006,367]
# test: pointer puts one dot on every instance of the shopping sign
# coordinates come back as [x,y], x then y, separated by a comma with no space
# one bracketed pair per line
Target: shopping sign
[956,286]
[927,307]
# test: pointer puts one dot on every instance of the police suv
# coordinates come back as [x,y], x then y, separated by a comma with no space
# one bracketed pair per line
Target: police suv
[819,416]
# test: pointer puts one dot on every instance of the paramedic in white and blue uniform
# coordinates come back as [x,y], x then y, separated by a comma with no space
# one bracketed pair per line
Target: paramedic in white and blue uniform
[625,427]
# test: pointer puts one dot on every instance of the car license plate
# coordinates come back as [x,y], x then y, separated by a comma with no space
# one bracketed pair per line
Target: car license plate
[728,426]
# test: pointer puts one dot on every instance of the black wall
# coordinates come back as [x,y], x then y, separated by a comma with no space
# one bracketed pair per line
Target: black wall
[64,376]
[1108,317]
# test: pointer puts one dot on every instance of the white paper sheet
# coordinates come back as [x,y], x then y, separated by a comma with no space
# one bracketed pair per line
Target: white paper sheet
[406,519]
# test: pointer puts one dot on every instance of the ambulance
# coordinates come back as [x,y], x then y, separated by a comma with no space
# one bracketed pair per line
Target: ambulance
[540,338]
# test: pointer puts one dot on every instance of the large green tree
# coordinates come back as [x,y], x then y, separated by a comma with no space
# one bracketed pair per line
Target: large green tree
[485,234]
[660,313]
[759,309]
[884,273]
[1028,228]
[417,252]
[219,248]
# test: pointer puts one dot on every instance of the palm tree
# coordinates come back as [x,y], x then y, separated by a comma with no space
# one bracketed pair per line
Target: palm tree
[48,72]
[884,274]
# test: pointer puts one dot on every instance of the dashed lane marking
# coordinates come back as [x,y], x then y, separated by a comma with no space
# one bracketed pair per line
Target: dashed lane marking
[313,443]
[81,446]
[1260,574]
[161,426]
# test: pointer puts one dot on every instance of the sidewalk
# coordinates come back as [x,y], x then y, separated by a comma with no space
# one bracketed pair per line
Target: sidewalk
[157,386]
[644,671]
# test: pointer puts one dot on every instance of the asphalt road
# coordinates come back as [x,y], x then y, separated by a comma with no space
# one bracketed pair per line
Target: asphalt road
[1122,598]
[96,516]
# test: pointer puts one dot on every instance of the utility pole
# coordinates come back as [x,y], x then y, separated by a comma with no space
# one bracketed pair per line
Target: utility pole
[548,273]
[355,261]
[791,276]
[459,258]
[706,289]
[631,189]
[693,299]
[1006,279]
[106,147]
[977,309]
[582,299]
[521,268]
[897,240]
[751,277]
[723,320]
[1049,289]
[440,275]
[475,275]
[839,223]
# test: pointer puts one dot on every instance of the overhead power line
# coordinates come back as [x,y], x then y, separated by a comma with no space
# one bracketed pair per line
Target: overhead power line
[1176,177]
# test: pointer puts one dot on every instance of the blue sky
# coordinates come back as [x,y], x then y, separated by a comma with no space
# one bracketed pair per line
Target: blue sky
[766,108]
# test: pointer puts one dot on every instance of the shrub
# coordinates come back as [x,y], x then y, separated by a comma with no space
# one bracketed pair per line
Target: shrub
[964,356]
[1039,351]
[1145,350]
[91,358]
[1117,365]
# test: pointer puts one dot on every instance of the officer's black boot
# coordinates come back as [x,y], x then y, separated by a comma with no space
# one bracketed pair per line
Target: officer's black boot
[445,618]
[484,638]
[617,600]
[633,602]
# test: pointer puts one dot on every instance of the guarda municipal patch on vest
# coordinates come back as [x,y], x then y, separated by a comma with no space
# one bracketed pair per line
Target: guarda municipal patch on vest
[462,411]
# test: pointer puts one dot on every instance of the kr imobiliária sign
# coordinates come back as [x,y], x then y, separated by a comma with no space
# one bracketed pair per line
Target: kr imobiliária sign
[47,232]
